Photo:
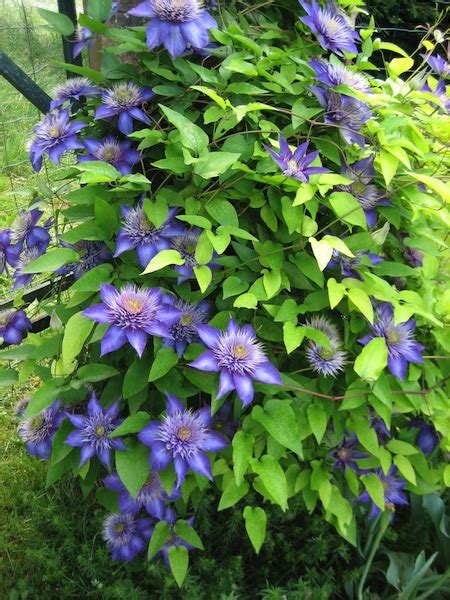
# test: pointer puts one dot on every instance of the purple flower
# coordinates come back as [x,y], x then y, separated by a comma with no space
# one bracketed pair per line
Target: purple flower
[126,535]
[176,24]
[54,135]
[14,325]
[25,229]
[184,331]
[368,195]
[295,164]
[336,74]
[182,437]
[413,257]
[401,345]
[345,455]
[344,112]
[379,426]
[92,431]
[440,93]
[427,437]
[331,26]
[223,421]
[327,362]
[121,155]
[151,497]
[239,357]
[124,100]
[349,265]
[75,88]
[174,539]
[438,64]
[29,255]
[133,314]
[138,232]
[91,253]
[9,254]
[393,492]
[39,430]
[85,39]
[186,245]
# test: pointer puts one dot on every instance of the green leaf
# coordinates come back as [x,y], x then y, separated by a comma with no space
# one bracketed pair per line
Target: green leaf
[191,136]
[132,424]
[400,447]
[372,360]
[405,468]
[232,286]
[96,171]
[362,302]
[93,279]
[51,261]
[273,478]
[223,212]
[336,292]
[271,282]
[374,486]
[322,251]
[215,164]
[247,300]
[132,466]
[42,397]
[76,332]
[232,493]
[292,336]
[179,562]
[58,21]
[397,66]
[163,259]
[280,421]
[188,534]
[203,275]
[99,9]
[318,420]
[8,377]
[242,453]
[96,372]
[255,525]
[347,208]
[160,535]
[389,165]
[165,359]
[136,378]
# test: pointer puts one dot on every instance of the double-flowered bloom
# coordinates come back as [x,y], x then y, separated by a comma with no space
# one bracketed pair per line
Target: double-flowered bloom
[14,325]
[393,492]
[349,265]
[239,357]
[438,64]
[183,437]
[125,100]
[120,154]
[74,89]
[345,455]
[331,26]
[137,232]
[326,361]
[92,254]
[336,74]
[295,164]
[401,345]
[92,431]
[126,535]
[184,331]
[362,174]
[9,253]
[39,430]
[427,437]
[344,112]
[151,497]
[27,256]
[176,24]
[54,135]
[132,314]
[186,245]
[25,230]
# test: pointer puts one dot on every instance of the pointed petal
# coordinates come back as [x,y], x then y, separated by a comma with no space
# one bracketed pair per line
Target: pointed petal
[205,362]
[267,373]
[209,335]
[244,388]
[214,442]
[226,383]
[199,462]
[138,339]
[113,339]
[173,405]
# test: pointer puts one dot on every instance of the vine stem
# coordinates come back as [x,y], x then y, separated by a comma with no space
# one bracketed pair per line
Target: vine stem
[384,522]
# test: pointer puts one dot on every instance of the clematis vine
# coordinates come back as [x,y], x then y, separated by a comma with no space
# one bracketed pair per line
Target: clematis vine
[239,357]
[74,89]
[400,342]
[127,535]
[28,256]
[349,265]
[295,164]
[9,253]
[325,361]
[183,437]
[92,431]
[394,494]
[14,326]
[25,229]
[92,254]
[186,245]
[124,101]
[427,437]
[132,314]
[39,430]
[177,25]
[121,155]
[345,455]
[335,74]
[184,331]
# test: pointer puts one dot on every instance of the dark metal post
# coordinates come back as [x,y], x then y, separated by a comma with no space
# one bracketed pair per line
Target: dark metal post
[26,86]
[67,7]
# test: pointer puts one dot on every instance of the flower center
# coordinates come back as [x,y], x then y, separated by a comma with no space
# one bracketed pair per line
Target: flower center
[385,485]
[100,430]
[292,164]
[186,320]
[343,453]
[54,131]
[109,154]
[394,336]
[133,305]
[177,10]
[5,316]
[184,434]
[119,528]
[36,422]
[240,351]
